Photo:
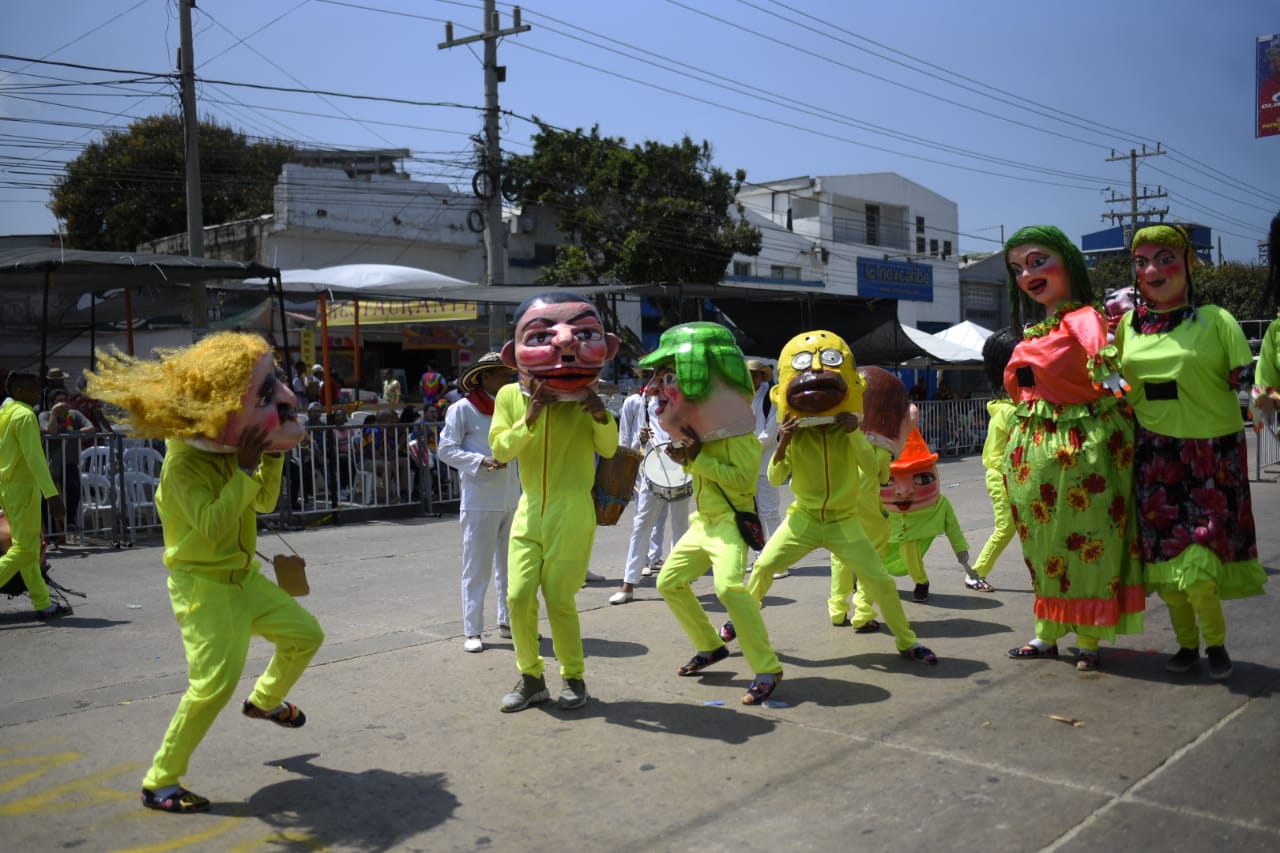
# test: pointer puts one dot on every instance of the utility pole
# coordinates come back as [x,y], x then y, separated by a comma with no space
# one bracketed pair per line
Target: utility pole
[489,177]
[191,132]
[1133,198]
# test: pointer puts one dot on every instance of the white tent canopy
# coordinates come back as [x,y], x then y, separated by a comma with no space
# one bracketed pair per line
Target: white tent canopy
[940,351]
[967,333]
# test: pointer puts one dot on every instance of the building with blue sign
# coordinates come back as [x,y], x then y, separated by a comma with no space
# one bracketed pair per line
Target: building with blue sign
[874,236]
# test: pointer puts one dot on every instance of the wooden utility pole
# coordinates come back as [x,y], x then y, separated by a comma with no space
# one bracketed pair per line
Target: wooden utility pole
[191,131]
[1133,198]
[488,181]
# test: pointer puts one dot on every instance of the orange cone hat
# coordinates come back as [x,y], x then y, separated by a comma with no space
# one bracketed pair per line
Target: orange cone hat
[915,456]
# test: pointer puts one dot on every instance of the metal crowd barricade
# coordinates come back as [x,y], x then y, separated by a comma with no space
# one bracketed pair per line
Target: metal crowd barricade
[954,427]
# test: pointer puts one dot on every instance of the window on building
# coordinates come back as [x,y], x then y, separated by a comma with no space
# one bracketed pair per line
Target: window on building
[544,254]
[919,244]
[873,225]
[742,268]
[781,272]
[933,248]
[946,249]
[919,224]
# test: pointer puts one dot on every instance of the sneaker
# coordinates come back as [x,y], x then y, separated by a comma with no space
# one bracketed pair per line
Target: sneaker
[1219,662]
[920,593]
[785,573]
[504,631]
[56,612]
[622,596]
[529,690]
[647,571]
[572,695]
[1183,661]
[473,644]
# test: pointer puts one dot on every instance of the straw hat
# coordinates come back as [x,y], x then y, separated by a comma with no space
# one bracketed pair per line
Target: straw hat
[470,377]
[57,375]
[754,364]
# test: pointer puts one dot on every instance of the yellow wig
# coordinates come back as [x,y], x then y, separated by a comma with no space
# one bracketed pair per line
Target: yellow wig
[185,393]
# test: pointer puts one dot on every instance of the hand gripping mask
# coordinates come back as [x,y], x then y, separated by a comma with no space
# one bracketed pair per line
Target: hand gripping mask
[559,340]
[817,379]
[701,382]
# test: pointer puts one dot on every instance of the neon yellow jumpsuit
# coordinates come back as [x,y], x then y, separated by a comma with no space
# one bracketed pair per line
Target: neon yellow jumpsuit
[208,508]
[713,540]
[1003,414]
[24,477]
[875,523]
[912,532]
[555,521]
[824,515]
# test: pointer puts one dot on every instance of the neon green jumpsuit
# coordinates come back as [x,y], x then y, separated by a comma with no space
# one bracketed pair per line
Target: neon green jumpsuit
[713,540]
[24,478]
[824,515]
[911,533]
[208,508]
[875,523]
[555,522]
[1002,416]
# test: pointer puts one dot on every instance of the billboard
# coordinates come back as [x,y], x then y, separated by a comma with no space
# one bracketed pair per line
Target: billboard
[1268,85]
[895,280]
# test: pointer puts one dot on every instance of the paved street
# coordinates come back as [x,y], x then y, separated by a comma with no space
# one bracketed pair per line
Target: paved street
[405,748]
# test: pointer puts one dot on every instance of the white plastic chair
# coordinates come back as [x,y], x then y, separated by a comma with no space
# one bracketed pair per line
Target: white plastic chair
[96,460]
[143,459]
[140,496]
[96,500]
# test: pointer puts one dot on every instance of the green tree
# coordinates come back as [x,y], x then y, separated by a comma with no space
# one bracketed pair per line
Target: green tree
[1234,286]
[130,187]
[645,213]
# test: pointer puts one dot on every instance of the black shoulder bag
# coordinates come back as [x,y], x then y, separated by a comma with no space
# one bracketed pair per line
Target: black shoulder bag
[749,524]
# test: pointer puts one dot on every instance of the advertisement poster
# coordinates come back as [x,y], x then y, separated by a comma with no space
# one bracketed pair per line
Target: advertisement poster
[1269,85]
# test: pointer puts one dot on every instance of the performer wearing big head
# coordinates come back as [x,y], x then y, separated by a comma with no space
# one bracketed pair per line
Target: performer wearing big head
[1070,465]
[704,392]
[821,449]
[1183,364]
[227,419]
[554,423]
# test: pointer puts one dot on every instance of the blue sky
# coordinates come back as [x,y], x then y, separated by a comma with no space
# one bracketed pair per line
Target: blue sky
[1010,109]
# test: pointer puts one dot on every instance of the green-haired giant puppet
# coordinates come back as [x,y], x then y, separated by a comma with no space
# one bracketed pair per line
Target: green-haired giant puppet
[703,391]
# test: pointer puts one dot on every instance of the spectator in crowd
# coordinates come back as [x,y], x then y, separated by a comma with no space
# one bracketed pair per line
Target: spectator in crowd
[338,446]
[918,392]
[24,475]
[390,388]
[432,385]
[299,381]
[59,425]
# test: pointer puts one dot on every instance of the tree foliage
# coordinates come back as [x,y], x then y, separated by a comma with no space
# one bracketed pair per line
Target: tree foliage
[130,187]
[646,213]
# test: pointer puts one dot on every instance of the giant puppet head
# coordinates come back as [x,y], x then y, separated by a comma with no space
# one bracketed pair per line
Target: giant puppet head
[701,382]
[913,480]
[207,393]
[560,341]
[817,379]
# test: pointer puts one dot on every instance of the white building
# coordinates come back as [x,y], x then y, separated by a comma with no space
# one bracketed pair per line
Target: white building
[875,235]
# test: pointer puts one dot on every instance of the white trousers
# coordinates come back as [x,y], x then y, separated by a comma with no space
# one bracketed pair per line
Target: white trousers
[646,531]
[485,534]
[767,506]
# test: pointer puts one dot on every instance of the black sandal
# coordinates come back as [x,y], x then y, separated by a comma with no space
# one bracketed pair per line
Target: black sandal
[699,662]
[1028,651]
[181,801]
[871,626]
[289,716]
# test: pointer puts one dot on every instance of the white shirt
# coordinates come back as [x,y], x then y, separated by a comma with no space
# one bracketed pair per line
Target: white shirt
[766,424]
[463,445]
[633,418]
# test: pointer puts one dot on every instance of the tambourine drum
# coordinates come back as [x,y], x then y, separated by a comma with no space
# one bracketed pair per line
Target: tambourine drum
[664,477]
[614,485]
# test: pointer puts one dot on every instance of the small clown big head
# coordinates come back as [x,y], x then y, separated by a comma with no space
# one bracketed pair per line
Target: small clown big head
[817,377]
[701,382]
[559,340]
[209,393]
[913,480]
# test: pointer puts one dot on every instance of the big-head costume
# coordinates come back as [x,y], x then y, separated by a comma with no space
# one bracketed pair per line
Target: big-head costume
[918,513]
[219,404]
[554,423]
[704,392]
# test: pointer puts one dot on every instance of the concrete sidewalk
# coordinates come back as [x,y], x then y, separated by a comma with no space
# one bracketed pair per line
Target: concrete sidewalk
[405,748]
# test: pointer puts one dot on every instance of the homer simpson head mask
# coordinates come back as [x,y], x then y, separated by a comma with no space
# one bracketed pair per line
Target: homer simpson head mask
[817,377]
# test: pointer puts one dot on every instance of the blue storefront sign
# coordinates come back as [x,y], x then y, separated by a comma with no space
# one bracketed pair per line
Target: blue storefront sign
[895,280]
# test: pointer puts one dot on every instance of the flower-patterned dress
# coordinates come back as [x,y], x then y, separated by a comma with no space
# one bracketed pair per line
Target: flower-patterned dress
[1195,513]
[1069,473]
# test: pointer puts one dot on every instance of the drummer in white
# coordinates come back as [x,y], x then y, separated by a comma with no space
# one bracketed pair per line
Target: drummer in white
[638,429]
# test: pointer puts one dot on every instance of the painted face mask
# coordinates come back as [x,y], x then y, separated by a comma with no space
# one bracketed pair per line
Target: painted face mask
[269,404]
[886,418]
[817,379]
[913,482]
[701,382]
[563,344]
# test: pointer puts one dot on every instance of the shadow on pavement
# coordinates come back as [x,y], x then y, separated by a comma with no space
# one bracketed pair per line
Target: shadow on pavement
[680,717]
[347,811]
